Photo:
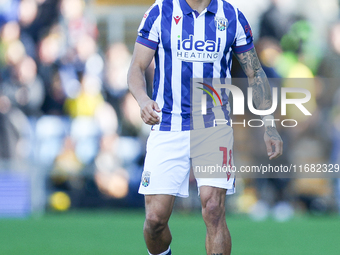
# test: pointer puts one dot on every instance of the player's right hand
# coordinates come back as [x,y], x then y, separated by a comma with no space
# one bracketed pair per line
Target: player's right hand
[147,112]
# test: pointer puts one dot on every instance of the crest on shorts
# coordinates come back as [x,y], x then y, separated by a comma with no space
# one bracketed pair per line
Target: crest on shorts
[146,178]
[221,23]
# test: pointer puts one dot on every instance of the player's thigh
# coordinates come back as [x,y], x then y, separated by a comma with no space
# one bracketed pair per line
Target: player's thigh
[167,164]
[159,207]
[212,157]
[211,151]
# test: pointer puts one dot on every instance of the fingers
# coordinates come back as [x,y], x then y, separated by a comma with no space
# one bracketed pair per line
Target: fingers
[269,148]
[149,116]
[148,113]
[273,143]
[278,148]
[155,107]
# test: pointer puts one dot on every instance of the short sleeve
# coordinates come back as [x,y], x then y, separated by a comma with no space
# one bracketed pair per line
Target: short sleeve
[244,36]
[148,28]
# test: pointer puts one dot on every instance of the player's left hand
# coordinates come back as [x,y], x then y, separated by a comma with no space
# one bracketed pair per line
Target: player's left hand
[273,140]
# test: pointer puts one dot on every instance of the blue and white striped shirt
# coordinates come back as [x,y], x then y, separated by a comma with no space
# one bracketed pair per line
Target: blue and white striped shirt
[189,45]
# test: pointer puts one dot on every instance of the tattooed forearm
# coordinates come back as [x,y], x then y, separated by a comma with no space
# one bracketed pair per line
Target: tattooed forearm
[262,98]
[257,79]
[249,61]
[261,90]
[273,134]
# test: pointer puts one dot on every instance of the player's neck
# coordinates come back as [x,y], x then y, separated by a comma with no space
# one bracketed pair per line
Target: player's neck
[198,5]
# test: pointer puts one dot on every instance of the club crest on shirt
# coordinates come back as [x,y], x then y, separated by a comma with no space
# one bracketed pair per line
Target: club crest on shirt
[221,23]
[146,178]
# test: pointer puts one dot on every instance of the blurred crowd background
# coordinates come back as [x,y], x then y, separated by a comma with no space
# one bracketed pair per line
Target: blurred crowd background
[71,135]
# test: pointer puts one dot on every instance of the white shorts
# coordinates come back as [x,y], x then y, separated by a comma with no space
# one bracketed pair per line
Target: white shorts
[169,156]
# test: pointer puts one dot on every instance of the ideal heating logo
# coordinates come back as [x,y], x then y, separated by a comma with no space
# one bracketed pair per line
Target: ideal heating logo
[238,104]
[198,50]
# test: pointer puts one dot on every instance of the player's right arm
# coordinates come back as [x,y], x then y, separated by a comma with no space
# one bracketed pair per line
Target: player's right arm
[141,59]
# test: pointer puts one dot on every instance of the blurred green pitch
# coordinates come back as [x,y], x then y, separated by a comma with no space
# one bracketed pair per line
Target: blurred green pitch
[120,232]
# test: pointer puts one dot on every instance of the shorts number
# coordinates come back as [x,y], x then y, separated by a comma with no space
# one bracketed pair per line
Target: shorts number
[225,159]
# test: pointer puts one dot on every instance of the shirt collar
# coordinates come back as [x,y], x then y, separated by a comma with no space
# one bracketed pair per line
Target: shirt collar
[212,7]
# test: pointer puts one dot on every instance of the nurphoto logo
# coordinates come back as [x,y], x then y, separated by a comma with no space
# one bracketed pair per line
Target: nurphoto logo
[238,104]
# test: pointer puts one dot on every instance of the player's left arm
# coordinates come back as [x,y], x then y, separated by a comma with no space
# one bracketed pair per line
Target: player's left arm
[262,98]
